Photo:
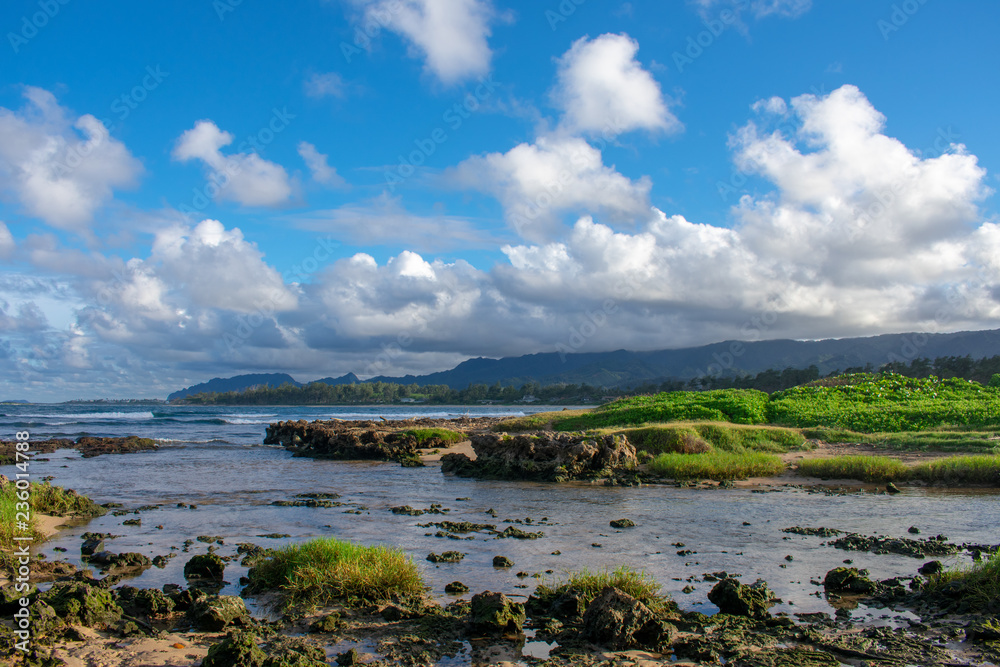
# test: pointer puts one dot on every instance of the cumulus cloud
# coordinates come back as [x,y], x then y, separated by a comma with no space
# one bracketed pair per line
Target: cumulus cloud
[242,177]
[538,182]
[451,35]
[61,168]
[603,89]
[321,170]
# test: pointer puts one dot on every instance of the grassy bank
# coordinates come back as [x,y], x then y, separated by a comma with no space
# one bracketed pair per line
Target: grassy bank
[448,436]
[953,470]
[716,465]
[700,437]
[324,570]
[738,406]
[939,439]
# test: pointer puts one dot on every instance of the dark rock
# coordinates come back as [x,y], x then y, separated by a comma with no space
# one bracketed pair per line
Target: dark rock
[91,546]
[238,649]
[913,530]
[344,441]
[984,631]
[218,612]
[446,557]
[82,604]
[204,566]
[329,623]
[502,561]
[849,580]
[892,489]
[623,523]
[619,621]
[148,602]
[456,588]
[351,657]
[931,568]
[732,597]
[494,613]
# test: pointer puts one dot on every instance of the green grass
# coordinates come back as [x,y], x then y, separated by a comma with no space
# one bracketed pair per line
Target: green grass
[637,583]
[716,465]
[323,570]
[424,434]
[864,468]
[739,406]
[980,583]
[960,470]
[540,421]
[886,403]
[939,439]
[954,470]
[700,437]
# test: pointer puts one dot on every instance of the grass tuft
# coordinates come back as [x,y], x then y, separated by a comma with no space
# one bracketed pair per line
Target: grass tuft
[979,585]
[716,465]
[447,435]
[318,572]
[637,583]
[872,469]
[960,470]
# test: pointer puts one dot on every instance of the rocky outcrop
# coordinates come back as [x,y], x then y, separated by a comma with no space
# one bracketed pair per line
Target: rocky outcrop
[343,441]
[204,566]
[87,446]
[548,456]
[495,613]
[736,599]
[218,612]
[617,620]
[849,580]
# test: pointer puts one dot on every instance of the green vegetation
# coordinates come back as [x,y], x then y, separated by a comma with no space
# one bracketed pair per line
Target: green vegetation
[587,585]
[540,421]
[739,406]
[424,434]
[960,470]
[878,469]
[940,439]
[979,585]
[886,403]
[872,469]
[316,573]
[717,465]
[700,437]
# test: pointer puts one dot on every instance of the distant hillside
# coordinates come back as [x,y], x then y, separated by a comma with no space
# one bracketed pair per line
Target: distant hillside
[238,383]
[625,369]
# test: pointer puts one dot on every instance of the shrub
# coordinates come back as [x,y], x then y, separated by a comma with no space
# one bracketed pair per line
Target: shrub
[322,570]
[865,468]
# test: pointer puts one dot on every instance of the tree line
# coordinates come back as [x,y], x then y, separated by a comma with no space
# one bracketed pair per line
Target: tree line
[770,381]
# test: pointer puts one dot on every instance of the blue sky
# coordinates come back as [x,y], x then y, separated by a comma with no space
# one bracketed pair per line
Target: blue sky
[207,188]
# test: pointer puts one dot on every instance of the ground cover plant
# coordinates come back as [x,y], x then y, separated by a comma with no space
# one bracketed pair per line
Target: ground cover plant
[886,403]
[739,406]
[939,439]
[447,435]
[716,465]
[874,469]
[699,437]
[978,585]
[320,571]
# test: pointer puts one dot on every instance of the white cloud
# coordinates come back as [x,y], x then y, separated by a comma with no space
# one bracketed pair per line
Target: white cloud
[245,178]
[602,88]
[321,170]
[61,169]
[451,35]
[538,182]
[328,84]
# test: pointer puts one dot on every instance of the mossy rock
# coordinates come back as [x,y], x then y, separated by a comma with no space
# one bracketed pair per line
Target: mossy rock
[82,604]
[617,620]
[204,566]
[732,597]
[456,588]
[495,613]
[219,612]
[502,561]
[792,657]
[849,580]
[145,601]
[329,623]
[623,523]
[984,631]
[238,649]
[446,557]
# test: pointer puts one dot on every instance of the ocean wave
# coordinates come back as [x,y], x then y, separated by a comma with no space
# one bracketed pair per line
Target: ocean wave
[96,416]
[240,415]
[246,421]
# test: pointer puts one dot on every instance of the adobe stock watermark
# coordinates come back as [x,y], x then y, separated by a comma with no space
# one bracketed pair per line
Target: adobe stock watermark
[751,331]
[597,318]
[887,196]
[529,212]
[219,180]
[307,266]
[376,19]
[225,7]
[899,16]
[562,12]
[32,24]
[697,44]
[454,117]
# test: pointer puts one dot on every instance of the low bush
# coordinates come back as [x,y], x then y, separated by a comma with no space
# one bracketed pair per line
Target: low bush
[716,465]
[872,469]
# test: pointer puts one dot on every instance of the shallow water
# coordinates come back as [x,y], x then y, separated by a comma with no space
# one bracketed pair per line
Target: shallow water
[233,483]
